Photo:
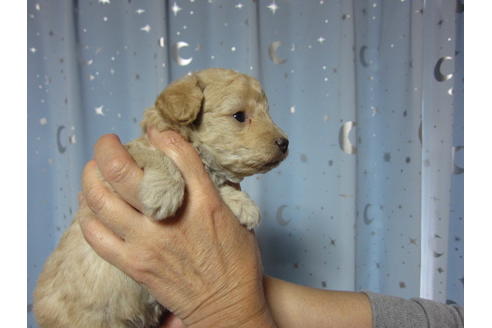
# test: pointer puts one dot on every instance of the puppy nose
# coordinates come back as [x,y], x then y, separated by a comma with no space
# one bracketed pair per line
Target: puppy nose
[283,144]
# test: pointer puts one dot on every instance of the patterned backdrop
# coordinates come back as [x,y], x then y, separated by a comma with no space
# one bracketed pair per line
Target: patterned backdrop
[369,92]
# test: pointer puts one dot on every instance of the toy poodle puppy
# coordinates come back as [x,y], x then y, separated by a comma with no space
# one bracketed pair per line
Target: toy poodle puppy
[224,114]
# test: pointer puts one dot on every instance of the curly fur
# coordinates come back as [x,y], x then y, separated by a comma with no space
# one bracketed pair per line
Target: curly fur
[77,288]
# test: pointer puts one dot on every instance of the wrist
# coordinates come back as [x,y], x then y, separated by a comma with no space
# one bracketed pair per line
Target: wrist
[244,307]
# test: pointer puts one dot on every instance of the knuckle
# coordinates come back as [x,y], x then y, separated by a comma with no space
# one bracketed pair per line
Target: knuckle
[140,267]
[116,170]
[214,207]
[95,199]
[89,230]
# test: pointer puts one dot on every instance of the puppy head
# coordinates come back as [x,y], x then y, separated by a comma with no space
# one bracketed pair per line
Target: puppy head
[225,113]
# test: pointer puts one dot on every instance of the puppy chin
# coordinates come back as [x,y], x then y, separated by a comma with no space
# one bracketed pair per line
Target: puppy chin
[273,163]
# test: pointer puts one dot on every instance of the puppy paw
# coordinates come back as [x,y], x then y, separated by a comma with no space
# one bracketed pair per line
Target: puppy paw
[160,194]
[241,206]
[249,215]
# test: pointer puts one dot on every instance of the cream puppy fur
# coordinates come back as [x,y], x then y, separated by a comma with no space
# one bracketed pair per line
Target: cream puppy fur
[224,114]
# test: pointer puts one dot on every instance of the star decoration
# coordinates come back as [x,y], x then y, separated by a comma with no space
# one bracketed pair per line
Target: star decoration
[146,28]
[239,6]
[33,50]
[140,11]
[321,39]
[99,110]
[72,139]
[176,9]
[273,7]
[104,2]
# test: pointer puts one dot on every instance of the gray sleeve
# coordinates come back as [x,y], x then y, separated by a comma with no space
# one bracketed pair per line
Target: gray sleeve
[390,311]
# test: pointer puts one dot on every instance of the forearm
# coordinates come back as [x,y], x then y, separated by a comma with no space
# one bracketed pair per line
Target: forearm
[298,306]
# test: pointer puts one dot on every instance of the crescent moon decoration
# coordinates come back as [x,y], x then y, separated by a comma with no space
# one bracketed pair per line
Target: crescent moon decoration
[61,148]
[437,70]
[457,169]
[272,51]
[362,55]
[175,51]
[280,218]
[367,221]
[420,132]
[343,138]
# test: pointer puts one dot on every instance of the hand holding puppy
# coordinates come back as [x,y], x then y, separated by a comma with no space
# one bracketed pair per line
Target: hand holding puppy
[201,264]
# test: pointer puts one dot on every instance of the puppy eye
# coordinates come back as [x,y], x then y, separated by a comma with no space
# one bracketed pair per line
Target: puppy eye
[240,116]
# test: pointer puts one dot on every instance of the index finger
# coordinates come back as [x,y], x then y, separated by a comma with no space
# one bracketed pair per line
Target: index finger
[184,156]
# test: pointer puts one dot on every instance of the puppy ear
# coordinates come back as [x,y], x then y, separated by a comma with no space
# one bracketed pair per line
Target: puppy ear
[181,101]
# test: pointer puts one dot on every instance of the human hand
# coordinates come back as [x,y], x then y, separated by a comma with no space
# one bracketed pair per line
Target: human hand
[201,264]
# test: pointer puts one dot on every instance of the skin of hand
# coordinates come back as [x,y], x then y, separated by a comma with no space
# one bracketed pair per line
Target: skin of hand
[201,264]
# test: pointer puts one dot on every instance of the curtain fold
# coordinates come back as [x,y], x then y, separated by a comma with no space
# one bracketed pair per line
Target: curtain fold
[369,92]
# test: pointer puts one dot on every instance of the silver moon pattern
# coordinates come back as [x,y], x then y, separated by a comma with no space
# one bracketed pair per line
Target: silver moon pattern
[272,51]
[175,51]
[437,70]
[61,148]
[343,138]
[280,216]
[367,221]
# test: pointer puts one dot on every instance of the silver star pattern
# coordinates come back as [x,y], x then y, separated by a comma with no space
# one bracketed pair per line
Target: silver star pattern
[273,7]
[99,110]
[176,9]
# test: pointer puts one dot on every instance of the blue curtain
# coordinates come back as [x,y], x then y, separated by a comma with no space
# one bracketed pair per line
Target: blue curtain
[369,92]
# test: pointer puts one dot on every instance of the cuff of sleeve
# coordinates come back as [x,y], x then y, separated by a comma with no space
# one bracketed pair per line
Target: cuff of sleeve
[391,311]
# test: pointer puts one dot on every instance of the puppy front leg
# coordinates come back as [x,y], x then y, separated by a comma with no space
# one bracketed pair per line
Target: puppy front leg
[161,193]
[242,206]
[162,188]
